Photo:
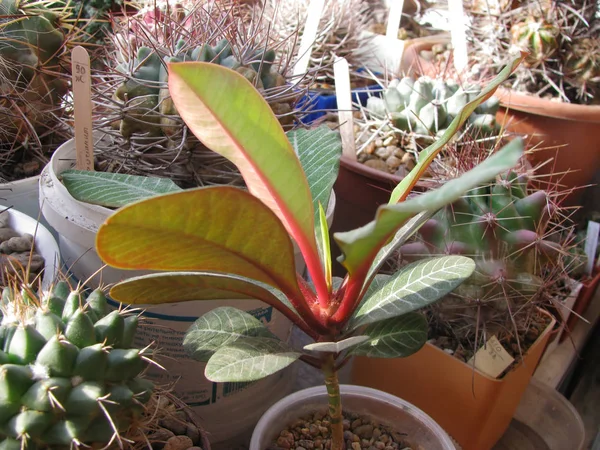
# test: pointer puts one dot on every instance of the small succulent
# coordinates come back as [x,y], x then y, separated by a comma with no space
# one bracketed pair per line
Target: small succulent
[69,373]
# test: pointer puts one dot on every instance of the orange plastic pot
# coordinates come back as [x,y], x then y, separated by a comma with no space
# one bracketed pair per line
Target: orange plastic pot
[568,134]
[473,408]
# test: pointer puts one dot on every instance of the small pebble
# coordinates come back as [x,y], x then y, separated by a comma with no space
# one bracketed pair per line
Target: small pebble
[179,443]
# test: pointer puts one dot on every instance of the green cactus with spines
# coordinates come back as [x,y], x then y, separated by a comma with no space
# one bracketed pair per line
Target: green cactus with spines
[150,109]
[505,227]
[69,376]
[33,52]
[427,107]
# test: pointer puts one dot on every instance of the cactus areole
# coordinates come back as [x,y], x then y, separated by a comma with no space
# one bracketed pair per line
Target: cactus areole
[69,375]
[224,242]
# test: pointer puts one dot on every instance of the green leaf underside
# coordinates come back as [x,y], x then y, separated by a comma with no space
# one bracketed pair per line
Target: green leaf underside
[402,235]
[413,287]
[177,287]
[394,338]
[319,150]
[336,347]
[249,360]
[360,246]
[222,229]
[221,327]
[427,155]
[114,190]
[209,98]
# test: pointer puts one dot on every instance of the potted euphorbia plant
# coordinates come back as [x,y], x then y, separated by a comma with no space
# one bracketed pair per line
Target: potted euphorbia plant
[219,242]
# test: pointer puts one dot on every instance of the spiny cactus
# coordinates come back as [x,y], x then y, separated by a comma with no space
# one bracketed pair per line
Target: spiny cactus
[132,98]
[427,107]
[69,376]
[560,37]
[33,43]
[507,229]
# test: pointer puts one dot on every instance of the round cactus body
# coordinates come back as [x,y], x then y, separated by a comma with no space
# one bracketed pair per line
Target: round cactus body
[427,107]
[69,376]
[504,229]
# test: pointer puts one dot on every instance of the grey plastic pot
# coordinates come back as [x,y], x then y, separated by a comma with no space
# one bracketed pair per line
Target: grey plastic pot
[421,430]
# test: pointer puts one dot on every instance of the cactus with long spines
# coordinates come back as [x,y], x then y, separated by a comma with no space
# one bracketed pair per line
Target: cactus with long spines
[133,104]
[69,373]
[34,41]
[509,230]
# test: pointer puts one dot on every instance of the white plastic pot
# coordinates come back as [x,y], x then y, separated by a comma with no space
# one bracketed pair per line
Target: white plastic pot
[45,244]
[421,430]
[228,410]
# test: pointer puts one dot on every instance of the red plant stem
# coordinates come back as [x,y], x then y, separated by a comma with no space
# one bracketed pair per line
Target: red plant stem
[315,269]
[350,299]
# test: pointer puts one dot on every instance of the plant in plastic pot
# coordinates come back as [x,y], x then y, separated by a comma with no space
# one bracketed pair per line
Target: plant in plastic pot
[215,241]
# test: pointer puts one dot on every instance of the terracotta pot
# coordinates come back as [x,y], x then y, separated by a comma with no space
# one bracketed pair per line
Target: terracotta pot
[586,294]
[472,407]
[569,133]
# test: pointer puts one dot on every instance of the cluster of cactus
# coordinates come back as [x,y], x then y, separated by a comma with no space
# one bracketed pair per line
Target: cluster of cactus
[427,107]
[507,229]
[32,76]
[562,40]
[69,375]
[150,108]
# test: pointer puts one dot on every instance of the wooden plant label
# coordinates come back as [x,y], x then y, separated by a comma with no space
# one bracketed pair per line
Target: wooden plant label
[343,93]
[492,359]
[311,27]
[84,144]
[591,244]
[458,32]
[394,18]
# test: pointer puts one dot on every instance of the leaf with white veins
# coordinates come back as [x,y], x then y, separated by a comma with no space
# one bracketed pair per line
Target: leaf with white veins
[413,287]
[221,327]
[249,359]
[398,337]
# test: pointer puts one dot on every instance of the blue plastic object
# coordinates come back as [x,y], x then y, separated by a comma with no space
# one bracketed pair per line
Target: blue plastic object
[322,101]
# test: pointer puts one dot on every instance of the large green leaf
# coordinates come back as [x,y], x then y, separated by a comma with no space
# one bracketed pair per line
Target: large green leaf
[413,287]
[249,359]
[224,110]
[174,287]
[360,246]
[427,156]
[394,338]
[114,190]
[319,150]
[223,229]
[221,327]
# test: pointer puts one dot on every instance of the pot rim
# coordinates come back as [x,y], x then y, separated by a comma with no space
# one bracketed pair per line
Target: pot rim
[346,390]
[531,104]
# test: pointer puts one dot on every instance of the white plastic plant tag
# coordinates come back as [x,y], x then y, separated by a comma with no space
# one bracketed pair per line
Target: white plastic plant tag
[591,244]
[309,34]
[343,93]
[492,359]
[458,32]
[394,18]
[82,99]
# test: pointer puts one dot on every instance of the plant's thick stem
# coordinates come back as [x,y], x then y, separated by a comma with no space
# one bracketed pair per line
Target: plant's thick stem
[335,403]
